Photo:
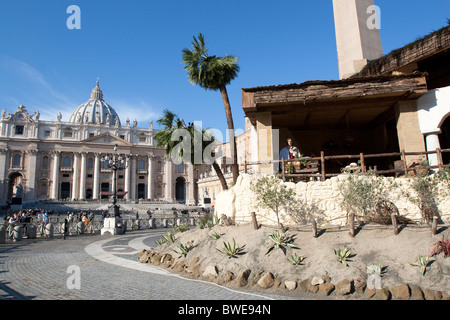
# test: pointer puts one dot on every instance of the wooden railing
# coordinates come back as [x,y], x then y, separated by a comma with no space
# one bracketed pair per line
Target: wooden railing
[400,166]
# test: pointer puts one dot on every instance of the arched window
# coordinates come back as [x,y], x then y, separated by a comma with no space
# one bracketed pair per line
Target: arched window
[45,162]
[90,163]
[16,160]
[67,162]
[141,164]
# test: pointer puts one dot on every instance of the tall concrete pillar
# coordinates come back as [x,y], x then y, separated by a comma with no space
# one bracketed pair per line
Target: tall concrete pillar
[357,35]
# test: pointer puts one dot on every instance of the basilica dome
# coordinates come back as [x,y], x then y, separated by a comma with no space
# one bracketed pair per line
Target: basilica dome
[95,110]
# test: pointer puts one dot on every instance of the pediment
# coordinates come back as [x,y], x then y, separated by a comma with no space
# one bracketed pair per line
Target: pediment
[107,138]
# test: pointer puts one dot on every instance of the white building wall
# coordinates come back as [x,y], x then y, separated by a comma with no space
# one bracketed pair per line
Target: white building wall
[433,108]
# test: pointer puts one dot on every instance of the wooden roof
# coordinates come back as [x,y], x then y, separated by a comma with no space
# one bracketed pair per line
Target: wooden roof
[405,59]
[325,103]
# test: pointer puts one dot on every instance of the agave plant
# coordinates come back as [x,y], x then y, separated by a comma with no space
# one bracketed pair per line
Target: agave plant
[231,250]
[169,237]
[343,255]
[375,269]
[181,228]
[280,241]
[296,259]
[160,241]
[422,262]
[184,248]
[215,235]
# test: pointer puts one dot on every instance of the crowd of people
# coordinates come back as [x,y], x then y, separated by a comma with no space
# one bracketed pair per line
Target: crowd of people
[41,217]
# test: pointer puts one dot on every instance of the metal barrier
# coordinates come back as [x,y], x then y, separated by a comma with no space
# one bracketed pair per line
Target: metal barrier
[55,226]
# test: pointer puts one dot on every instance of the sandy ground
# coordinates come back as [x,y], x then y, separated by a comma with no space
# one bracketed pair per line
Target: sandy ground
[372,244]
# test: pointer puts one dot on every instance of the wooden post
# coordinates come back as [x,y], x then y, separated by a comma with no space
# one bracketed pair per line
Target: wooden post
[405,165]
[351,223]
[314,228]
[283,169]
[322,165]
[363,166]
[245,165]
[255,222]
[434,227]
[394,223]
[439,158]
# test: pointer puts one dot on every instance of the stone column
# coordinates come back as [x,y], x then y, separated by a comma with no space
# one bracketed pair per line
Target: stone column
[410,138]
[267,143]
[76,160]
[83,176]
[150,177]
[3,173]
[133,178]
[190,184]
[55,184]
[169,182]
[32,161]
[127,182]
[432,143]
[95,191]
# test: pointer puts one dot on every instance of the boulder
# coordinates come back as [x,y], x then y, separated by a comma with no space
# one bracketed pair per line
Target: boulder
[211,272]
[344,287]
[360,286]
[401,292]
[316,281]
[417,294]
[313,288]
[303,285]
[227,276]
[266,281]
[383,294]
[242,279]
[326,288]
[429,294]
[370,292]
[290,285]
[194,270]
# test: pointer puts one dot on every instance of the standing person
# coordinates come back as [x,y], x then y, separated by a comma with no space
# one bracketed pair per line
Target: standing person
[65,228]
[11,224]
[289,151]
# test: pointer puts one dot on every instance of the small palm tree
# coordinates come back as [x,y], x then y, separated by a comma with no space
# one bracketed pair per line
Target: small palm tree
[171,122]
[213,73]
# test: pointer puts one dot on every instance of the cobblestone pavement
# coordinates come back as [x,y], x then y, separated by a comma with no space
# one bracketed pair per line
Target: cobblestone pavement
[95,267]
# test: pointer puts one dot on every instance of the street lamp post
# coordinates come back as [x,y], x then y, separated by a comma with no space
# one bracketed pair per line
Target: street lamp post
[115,162]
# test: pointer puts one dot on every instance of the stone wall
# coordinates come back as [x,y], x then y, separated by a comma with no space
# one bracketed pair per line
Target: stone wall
[321,199]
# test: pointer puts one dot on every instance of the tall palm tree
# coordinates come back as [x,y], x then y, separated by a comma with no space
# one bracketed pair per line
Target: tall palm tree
[164,138]
[213,73]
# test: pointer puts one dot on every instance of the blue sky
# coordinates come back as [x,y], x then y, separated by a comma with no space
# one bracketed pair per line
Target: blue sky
[134,48]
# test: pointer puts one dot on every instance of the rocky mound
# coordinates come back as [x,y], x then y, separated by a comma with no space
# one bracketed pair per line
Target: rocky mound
[320,275]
